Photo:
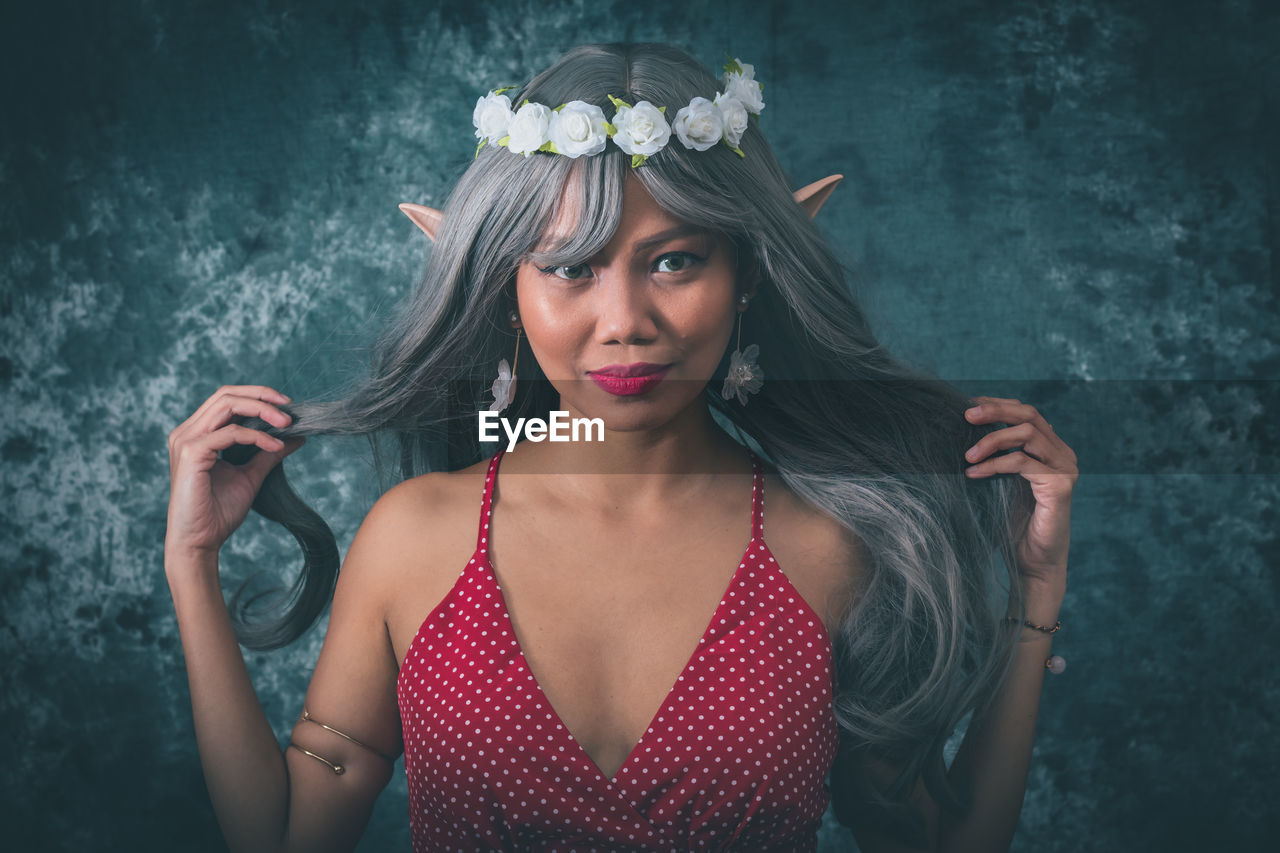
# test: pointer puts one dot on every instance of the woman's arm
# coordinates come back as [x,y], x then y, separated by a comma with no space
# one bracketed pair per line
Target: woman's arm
[990,769]
[266,800]
[244,769]
[991,766]
[995,755]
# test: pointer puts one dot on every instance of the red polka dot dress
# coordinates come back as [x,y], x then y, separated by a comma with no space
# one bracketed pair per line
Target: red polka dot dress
[735,759]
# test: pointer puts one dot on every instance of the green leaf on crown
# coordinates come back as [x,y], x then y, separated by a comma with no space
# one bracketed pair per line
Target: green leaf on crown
[609,129]
[637,160]
[618,102]
[503,141]
[478,147]
[548,146]
[732,66]
[503,89]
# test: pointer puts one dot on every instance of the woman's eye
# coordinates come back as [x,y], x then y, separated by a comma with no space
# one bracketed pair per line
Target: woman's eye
[676,261]
[571,273]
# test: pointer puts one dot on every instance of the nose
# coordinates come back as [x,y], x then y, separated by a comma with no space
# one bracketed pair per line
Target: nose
[625,310]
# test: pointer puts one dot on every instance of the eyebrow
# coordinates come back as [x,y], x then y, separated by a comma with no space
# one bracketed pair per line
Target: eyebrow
[685,229]
[682,230]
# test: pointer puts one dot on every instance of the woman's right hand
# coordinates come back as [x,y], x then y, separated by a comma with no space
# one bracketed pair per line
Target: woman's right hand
[210,497]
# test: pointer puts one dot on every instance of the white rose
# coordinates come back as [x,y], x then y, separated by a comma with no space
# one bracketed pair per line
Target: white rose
[492,117]
[746,91]
[641,129]
[734,113]
[577,129]
[744,87]
[699,125]
[528,130]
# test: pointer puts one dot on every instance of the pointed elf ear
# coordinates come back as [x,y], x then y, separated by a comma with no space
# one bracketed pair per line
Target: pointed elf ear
[426,218]
[812,197]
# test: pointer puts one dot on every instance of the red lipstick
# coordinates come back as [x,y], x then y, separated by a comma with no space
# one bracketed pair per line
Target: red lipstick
[627,379]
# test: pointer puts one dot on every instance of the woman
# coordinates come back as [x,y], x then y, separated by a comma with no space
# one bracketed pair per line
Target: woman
[612,669]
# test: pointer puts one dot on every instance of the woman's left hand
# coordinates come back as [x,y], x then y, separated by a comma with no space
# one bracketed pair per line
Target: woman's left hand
[1048,464]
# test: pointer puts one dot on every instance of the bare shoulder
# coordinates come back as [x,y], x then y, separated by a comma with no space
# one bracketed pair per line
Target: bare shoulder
[352,693]
[425,528]
[824,560]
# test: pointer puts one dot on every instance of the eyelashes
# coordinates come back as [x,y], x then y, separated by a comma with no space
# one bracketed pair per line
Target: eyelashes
[683,261]
[553,272]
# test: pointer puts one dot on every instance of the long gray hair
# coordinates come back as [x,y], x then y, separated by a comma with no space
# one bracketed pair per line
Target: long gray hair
[858,435]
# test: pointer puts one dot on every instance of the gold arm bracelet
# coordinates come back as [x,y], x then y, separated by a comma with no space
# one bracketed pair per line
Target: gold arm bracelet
[338,769]
[306,715]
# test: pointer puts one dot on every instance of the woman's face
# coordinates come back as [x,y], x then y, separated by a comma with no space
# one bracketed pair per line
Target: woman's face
[659,299]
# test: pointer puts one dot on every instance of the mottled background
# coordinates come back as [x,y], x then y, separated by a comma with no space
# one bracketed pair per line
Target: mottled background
[1075,203]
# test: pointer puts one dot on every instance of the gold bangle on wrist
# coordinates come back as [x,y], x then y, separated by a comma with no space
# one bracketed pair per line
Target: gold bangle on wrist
[1055,663]
[1041,628]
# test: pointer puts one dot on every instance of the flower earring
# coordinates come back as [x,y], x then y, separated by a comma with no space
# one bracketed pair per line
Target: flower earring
[504,387]
[745,376]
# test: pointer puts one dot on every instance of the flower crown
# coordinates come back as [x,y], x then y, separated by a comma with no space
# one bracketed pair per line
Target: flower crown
[579,128]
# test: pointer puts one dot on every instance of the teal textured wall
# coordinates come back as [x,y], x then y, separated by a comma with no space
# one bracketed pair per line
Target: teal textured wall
[1074,203]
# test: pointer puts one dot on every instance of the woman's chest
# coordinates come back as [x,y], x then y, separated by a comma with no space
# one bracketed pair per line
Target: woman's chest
[606,626]
[593,604]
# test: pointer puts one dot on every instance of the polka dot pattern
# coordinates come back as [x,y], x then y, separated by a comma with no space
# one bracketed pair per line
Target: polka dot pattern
[735,759]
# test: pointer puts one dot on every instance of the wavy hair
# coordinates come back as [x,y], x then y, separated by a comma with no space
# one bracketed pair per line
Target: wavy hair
[857,434]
